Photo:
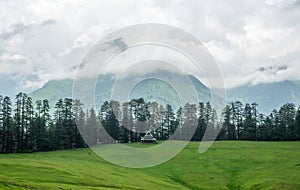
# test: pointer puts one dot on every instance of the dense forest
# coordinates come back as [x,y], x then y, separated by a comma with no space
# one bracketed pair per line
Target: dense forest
[27,126]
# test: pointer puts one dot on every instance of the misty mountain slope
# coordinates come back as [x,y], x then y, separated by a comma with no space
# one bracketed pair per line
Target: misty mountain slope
[156,90]
[53,91]
[268,96]
[149,89]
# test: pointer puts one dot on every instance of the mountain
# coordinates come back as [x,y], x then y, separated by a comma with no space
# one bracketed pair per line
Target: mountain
[268,96]
[53,90]
[150,87]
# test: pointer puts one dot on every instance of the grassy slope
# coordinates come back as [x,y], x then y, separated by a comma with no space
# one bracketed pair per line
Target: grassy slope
[227,165]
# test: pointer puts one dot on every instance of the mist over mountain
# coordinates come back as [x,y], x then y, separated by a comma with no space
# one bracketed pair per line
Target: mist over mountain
[268,96]
[148,87]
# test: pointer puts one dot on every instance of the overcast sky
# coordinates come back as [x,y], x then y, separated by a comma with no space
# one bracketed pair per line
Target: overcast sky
[251,41]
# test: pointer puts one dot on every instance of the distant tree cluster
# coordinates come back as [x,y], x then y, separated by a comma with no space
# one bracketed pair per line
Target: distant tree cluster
[243,122]
[26,126]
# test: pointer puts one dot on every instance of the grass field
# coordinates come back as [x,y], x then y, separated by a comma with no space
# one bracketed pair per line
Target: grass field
[226,165]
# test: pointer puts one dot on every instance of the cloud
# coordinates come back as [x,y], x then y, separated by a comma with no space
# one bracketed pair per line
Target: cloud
[94,32]
[15,30]
[48,22]
[273,69]
[14,64]
[52,37]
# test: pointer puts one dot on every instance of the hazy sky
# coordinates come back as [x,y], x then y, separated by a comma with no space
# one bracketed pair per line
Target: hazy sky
[252,41]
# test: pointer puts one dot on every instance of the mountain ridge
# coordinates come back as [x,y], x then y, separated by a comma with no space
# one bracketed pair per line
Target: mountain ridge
[268,96]
[150,89]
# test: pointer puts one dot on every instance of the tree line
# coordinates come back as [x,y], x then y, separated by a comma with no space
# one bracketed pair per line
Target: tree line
[27,126]
[244,122]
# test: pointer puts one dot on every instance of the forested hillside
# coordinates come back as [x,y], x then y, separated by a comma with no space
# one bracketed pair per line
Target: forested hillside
[268,96]
[150,89]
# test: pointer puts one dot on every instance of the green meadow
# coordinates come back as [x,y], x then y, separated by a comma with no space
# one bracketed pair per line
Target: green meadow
[226,165]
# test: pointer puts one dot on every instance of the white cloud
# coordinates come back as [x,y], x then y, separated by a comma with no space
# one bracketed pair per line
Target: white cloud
[14,64]
[85,39]
[243,36]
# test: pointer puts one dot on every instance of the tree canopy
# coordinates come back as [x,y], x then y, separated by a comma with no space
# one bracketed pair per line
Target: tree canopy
[27,126]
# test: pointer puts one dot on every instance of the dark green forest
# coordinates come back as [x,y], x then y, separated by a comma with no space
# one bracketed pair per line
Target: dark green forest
[27,126]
